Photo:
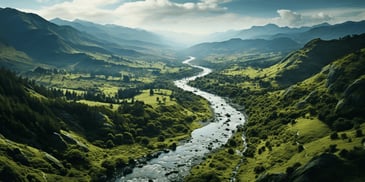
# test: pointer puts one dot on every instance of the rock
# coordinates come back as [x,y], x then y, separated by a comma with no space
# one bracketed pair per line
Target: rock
[53,160]
[58,142]
[127,170]
[70,140]
[353,99]
[333,74]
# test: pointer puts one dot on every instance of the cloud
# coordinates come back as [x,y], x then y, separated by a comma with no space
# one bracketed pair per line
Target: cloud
[288,17]
[294,19]
[164,15]
[42,1]
[199,17]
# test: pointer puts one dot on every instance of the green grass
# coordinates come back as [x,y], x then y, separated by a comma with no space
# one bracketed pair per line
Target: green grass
[163,96]
[113,107]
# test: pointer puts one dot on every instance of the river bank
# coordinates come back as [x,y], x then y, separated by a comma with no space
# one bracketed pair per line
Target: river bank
[175,165]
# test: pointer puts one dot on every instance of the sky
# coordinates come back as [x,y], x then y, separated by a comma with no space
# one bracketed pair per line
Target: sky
[196,16]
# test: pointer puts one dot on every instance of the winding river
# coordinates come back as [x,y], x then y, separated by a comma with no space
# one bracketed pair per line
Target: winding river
[174,165]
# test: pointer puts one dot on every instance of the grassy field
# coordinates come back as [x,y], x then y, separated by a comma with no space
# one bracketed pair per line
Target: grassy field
[160,96]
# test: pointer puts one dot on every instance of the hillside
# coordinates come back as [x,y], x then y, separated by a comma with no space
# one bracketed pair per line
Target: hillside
[125,37]
[235,46]
[309,127]
[313,57]
[48,44]
[47,134]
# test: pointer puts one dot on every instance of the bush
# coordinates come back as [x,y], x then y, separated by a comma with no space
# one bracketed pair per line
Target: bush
[259,169]
[342,124]
[359,133]
[344,136]
[343,153]
[145,141]
[289,170]
[332,148]
[109,144]
[334,136]
[231,151]
[300,148]
[109,166]
[77,157]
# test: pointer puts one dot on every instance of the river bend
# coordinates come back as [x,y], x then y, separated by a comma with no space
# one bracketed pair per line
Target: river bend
[175,165]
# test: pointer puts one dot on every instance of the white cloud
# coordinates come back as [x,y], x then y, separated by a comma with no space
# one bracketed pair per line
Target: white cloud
[204,16]
[42,1]
[288,17]
[317,16]
[164,15]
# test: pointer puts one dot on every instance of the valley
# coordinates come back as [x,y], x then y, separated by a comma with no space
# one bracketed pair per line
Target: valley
[81,101]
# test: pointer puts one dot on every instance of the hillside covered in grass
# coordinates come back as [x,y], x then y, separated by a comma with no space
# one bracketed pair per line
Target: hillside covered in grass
[47,137]
[305,116]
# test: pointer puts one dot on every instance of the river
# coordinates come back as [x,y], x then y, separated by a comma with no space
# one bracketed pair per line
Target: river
[175,165]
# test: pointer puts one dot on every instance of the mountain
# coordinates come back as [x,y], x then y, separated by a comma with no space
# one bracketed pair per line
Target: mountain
[317,53]
[237,45]
[267,30]
[45,43]
[123,36]
[326,32]
[301,35]
[260,32]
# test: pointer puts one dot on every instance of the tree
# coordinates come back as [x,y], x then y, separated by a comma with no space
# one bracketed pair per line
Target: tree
[151,92]
[126,79]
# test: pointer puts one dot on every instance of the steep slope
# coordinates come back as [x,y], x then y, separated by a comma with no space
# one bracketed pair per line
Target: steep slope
[48,43]
[313,56]
[310,129]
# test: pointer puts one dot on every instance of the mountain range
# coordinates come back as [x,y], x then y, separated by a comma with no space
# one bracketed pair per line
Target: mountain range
[28,40]
[301,35]
[272,38]
[128,38]
[237,45]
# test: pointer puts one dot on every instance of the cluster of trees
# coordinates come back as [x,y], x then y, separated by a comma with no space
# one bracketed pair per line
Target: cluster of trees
[37,121]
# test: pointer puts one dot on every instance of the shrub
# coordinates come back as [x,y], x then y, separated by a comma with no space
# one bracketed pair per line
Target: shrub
[359,133]
[259,169]
[334,136]
[300,148]
[77,157]
[342,124]
[231,151]
[109,166]
[344,136]
[109,144]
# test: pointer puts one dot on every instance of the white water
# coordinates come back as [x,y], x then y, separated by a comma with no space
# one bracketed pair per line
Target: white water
[173,166]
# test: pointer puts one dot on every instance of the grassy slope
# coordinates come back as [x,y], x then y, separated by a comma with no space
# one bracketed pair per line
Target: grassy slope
[20,161]
[283,120]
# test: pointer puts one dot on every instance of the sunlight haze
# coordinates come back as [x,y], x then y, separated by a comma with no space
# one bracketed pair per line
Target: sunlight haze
[196,16]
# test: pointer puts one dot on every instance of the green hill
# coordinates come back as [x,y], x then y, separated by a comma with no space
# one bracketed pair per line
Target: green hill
[45,136]
[313,57]
[305,116]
